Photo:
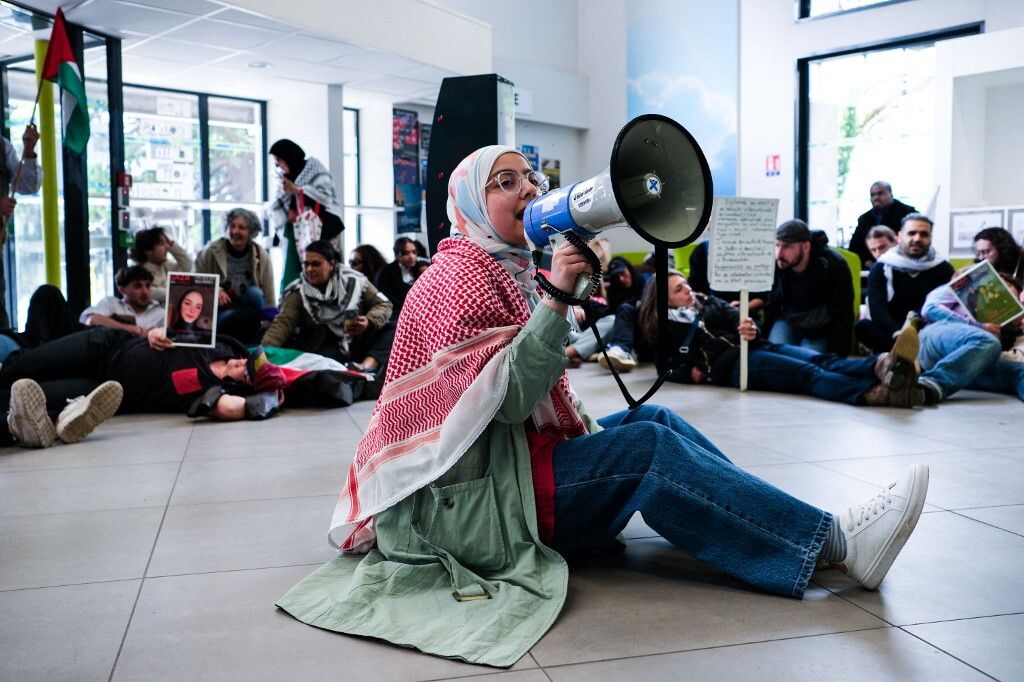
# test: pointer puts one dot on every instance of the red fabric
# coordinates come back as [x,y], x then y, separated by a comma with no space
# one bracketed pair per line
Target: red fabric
[542,452]
[186,381]
[59,49]
[461,311]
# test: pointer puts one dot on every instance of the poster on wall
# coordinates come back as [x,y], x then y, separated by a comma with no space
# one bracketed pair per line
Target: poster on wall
[693,81]
[424,150]
[532,155]
[963,225]
[553,169]
[1015,224]
[405,147]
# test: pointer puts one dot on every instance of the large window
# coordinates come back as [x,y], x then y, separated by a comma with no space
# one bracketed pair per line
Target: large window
[866,115]
[350,168]
[192,157]
[819,8]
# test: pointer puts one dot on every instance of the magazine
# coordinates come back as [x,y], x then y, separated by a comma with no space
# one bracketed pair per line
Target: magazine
[192,309]
[985,295]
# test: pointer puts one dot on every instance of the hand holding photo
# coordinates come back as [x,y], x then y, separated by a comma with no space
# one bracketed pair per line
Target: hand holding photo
[192,309]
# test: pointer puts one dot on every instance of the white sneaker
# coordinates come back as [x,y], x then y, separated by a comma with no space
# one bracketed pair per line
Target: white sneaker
[27,418]
[85,413]
[622,360]
[877,530]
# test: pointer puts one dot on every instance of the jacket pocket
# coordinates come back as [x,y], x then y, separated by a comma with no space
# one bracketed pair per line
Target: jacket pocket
[465,523]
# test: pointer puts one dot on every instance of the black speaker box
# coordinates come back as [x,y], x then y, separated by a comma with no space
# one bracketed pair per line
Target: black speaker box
[471,112]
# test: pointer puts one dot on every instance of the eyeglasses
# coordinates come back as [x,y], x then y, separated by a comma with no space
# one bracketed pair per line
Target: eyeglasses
[511,182]
[355,262]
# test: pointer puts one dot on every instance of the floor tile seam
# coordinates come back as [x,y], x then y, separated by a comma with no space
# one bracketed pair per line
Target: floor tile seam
[953,656]
[853,603]
[716,646]
[149,560]
[256,499]
[986,523]
[28,470]
[78,511]
[177,505]
[487,671]
[953,449]
[81,584]
[5,472]
[957,620]
[156,576]
[931,438]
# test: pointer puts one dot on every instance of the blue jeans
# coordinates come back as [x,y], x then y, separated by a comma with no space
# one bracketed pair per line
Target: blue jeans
[584,340]
[784,333]
[649,460]
[7,346]
[624,329]
[795,369]
[1006,376]
[955,354]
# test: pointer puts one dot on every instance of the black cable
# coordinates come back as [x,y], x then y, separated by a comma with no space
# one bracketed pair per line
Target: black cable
[595,276]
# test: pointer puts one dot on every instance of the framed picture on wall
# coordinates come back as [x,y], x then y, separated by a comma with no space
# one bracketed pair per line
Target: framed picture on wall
[1015,224]
[963,225]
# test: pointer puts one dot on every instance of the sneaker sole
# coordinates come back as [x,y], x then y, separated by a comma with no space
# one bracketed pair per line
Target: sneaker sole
[83,417]
[29,403]
[915,504]
[904,370]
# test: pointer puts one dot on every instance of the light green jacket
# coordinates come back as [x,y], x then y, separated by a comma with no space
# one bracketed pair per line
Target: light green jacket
[459,570]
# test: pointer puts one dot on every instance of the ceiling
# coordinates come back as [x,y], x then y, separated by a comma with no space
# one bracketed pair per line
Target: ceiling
[206,45]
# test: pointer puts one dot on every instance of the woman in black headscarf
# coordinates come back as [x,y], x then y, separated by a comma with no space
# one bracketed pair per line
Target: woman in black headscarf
[305,183]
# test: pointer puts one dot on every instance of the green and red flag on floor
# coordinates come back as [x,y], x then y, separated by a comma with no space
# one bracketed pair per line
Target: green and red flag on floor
[62,68]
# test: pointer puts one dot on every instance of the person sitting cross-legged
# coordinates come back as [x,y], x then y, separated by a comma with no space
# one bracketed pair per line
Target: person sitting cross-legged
[334,311]
[899,282]
[135,311]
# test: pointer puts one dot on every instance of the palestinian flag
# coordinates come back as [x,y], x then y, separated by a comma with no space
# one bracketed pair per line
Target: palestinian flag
[62,68]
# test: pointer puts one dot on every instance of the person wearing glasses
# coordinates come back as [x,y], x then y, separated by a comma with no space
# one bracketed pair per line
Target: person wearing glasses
[479,466]
[396,278]
[366,259]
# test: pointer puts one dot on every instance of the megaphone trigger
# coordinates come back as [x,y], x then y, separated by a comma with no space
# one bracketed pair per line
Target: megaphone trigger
[585,285]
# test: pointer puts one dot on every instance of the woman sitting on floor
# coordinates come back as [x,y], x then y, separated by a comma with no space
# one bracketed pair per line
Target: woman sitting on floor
[479,465]
[709,329]
[334,311]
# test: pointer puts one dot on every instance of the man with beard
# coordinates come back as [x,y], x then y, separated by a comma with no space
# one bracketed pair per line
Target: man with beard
[885,210]
[899,282]
[811,302]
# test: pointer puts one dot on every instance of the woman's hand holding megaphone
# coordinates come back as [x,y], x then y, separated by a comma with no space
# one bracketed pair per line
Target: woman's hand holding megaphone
[567,264]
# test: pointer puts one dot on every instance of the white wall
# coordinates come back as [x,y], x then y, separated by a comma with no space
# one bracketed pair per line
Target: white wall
[1004,144]
[771,42]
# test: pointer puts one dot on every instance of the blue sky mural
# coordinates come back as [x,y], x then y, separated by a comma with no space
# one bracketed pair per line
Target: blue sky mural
[682,61]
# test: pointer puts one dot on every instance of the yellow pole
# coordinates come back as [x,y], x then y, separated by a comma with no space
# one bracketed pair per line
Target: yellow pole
[48,166]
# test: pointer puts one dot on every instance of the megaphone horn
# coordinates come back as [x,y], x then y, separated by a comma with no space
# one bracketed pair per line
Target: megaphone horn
[657,182]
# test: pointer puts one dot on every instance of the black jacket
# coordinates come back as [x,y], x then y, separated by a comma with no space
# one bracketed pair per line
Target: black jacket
[908,292]
[891,217]
[714,348]
[699,276]
[818,301]
[390,283]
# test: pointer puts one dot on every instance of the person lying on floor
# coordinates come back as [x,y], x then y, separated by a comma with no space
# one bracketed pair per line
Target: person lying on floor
[334,311]
[480,467]
[705,332]
[959,352]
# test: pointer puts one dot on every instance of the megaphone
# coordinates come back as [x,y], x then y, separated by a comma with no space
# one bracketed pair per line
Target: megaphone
[657,182]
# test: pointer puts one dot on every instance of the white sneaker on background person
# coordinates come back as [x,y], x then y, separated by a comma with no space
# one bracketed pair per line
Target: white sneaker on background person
[877,530]
[85,413]
[621,359]
[27,418]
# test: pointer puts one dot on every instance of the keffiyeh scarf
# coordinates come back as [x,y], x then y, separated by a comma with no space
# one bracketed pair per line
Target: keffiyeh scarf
[343,292]
[316,184]
[449,369]
[897,259]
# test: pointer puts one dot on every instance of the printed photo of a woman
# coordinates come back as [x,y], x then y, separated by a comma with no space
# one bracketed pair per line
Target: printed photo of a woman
[190,316]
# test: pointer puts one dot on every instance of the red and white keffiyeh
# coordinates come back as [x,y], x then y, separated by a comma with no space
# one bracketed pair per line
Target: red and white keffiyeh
[447,378]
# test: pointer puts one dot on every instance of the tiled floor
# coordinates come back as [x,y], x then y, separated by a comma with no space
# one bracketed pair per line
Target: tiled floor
[156,549]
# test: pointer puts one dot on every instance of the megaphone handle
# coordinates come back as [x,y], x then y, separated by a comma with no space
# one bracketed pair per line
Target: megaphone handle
[584,286]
